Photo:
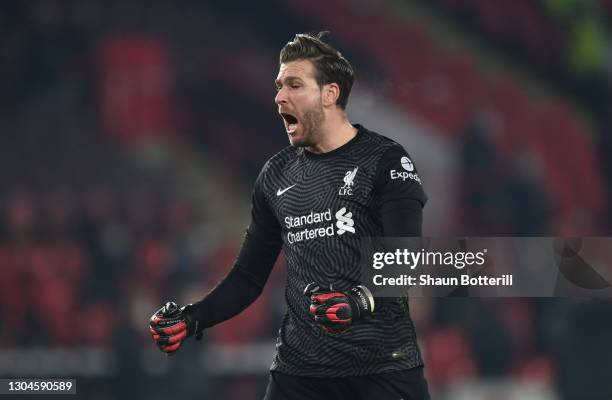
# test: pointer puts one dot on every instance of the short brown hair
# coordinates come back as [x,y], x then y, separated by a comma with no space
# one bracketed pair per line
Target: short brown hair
[330,65]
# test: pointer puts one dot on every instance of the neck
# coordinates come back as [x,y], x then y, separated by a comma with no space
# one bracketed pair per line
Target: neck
[333,134]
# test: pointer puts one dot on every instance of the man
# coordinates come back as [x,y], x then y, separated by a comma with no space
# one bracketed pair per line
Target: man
[334,185]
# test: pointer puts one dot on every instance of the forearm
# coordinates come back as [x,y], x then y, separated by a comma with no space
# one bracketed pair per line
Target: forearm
[230,297]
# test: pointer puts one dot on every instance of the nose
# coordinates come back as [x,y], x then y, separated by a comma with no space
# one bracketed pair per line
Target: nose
[281,97]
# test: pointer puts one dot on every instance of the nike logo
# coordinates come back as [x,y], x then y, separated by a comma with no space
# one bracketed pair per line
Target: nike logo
[279,192]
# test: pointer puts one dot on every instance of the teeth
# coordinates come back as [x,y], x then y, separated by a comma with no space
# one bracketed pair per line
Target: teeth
[291,128]
[291,122]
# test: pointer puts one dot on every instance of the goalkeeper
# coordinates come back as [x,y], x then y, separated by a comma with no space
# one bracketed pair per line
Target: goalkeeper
[335,184]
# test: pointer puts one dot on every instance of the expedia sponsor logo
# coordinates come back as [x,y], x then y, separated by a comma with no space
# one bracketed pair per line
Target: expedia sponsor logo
[407,164]
[343,222]
[403,175]
[408,172]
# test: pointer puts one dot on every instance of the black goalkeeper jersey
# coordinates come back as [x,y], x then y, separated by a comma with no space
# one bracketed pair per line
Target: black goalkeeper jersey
[322,205]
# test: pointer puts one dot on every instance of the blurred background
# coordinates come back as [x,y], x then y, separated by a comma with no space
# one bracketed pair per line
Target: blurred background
[132,132]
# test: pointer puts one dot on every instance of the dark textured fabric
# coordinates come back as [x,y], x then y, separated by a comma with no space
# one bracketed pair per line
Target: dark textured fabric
[350,185]
[402,385]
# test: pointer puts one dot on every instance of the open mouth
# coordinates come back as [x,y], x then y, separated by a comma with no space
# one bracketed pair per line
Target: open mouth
[291,122]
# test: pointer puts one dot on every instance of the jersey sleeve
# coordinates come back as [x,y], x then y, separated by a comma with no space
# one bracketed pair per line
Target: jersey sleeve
[397,178]
[399,195]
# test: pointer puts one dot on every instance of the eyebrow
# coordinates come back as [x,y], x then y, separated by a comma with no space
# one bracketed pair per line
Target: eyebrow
[288,79]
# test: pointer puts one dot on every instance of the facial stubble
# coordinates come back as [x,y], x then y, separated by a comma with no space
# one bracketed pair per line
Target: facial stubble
[312,121]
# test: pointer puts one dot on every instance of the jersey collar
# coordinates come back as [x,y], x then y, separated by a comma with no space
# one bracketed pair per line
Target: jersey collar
[339,150]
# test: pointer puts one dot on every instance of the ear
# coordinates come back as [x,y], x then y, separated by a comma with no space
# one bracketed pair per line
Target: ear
[331,93]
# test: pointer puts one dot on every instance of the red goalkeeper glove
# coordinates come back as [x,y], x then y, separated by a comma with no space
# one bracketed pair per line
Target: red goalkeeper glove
[336,310]
[170,326]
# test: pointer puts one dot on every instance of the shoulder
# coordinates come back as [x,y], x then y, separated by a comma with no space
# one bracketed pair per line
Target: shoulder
[396,174]
[382,147]
[279,161]
[273,171]
[284,156]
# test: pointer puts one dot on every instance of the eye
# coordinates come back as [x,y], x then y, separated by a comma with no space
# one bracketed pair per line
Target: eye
[295,86]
